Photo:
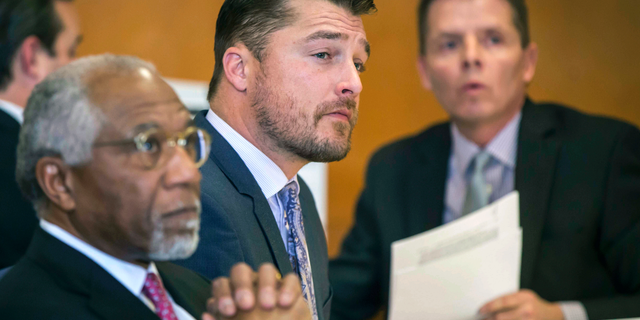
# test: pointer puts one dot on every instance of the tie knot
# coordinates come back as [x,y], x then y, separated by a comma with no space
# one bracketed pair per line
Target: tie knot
[480,160]
[289,192]
[153,286]
[154,290]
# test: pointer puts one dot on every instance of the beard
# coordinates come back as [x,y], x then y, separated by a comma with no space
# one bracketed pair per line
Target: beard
[286,124]
[176,247]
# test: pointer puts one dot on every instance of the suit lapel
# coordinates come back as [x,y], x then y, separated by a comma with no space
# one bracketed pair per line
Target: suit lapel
[535,169]
[316,243]
[112,300]
[228,160]
[77,273]
[186,294]
[426,183]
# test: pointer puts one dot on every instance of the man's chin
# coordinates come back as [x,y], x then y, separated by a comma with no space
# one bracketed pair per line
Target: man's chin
[177,248]
[330,153]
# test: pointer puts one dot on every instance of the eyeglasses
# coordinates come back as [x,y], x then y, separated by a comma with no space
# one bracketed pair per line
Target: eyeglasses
[152,147]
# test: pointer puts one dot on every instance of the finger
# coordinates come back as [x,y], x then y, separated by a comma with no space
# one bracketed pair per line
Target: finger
[206,316]
[289,290]
[221,302]
[503,303]
[300,310]
[267,286]
[510,314]
[242,277]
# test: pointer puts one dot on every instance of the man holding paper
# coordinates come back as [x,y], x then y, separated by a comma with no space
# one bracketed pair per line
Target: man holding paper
[578,176]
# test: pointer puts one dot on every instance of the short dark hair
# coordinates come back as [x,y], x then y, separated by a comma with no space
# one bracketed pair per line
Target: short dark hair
[20,19]
[520,20]
[250,22]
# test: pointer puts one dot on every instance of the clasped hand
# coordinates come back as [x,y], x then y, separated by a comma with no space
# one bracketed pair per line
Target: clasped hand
[277,298]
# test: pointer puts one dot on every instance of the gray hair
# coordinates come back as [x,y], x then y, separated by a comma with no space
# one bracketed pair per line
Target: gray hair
[60,120]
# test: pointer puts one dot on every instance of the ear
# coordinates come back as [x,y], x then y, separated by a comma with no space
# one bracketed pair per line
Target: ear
[423,72]
[530,61]
[236,66]
[54,177]
[32,59]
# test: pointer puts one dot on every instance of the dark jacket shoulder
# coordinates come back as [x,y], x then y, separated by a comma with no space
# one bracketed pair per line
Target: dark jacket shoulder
[571,123]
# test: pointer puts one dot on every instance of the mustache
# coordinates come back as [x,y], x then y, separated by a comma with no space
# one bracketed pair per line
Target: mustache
[181,207]
[333,106]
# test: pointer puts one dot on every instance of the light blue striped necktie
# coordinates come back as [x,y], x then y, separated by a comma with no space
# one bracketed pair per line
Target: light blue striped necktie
[297,243]
[478,191]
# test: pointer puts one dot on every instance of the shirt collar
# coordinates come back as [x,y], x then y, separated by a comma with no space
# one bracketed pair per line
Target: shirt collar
[502,147]
[269,176]
[13,110]
[131,276]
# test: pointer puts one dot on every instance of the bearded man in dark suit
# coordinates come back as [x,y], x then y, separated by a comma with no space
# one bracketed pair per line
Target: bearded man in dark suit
[284,92]
[578,176]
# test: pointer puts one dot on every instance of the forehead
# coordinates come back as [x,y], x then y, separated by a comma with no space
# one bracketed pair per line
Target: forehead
[463,15]
[313,15]
[137,98]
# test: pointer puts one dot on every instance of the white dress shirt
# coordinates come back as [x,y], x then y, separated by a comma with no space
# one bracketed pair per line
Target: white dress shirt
[269,176]
[13,110]
[499,176]
[131,276]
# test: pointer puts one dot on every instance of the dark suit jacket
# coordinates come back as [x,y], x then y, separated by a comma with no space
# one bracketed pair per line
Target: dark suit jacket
[54,281]
[238,225]
[17,216]
[579,183]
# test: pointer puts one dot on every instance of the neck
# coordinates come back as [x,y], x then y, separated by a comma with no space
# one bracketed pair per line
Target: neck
[61,219]
[16,94]
[483,131]
[248,128]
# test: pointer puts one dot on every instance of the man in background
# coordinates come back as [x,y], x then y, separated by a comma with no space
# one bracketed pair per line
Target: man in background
[578,176]
[36,37]
[109,157]
[284,92]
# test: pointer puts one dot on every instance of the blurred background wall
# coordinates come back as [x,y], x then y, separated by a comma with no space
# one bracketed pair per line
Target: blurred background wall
[589,58]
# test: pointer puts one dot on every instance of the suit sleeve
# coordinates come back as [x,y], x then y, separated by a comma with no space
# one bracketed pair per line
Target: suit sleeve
[619,242]
[355,274]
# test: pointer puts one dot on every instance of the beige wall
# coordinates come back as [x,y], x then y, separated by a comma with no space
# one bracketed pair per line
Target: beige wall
[590,53]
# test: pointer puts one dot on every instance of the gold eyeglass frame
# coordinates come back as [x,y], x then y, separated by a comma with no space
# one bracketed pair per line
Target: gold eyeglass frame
[177,139]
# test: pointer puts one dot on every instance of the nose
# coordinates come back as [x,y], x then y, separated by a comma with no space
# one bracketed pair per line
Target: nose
[350,85]
[472,59]
[181,169]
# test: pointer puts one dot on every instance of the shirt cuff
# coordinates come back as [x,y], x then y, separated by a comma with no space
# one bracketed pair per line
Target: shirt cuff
[573,310]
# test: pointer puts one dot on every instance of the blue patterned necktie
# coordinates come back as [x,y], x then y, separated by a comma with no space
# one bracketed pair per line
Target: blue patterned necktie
[297,243]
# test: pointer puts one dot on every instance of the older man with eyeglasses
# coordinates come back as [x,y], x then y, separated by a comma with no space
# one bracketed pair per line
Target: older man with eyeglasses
[109,157]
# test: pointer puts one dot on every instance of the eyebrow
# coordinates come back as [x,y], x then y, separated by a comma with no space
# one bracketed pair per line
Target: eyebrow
[144,127]
[328,35]
[448,35]
[152,125]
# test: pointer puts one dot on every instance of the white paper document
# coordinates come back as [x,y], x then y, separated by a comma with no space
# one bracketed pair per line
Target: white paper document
[449,272]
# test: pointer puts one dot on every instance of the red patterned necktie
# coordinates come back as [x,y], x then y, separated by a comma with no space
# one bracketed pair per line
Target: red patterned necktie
[154,290]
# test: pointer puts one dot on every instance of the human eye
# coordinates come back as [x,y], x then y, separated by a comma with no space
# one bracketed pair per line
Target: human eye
[321,55]
[360,67]
[150,145]
[494,39]
[448,45]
